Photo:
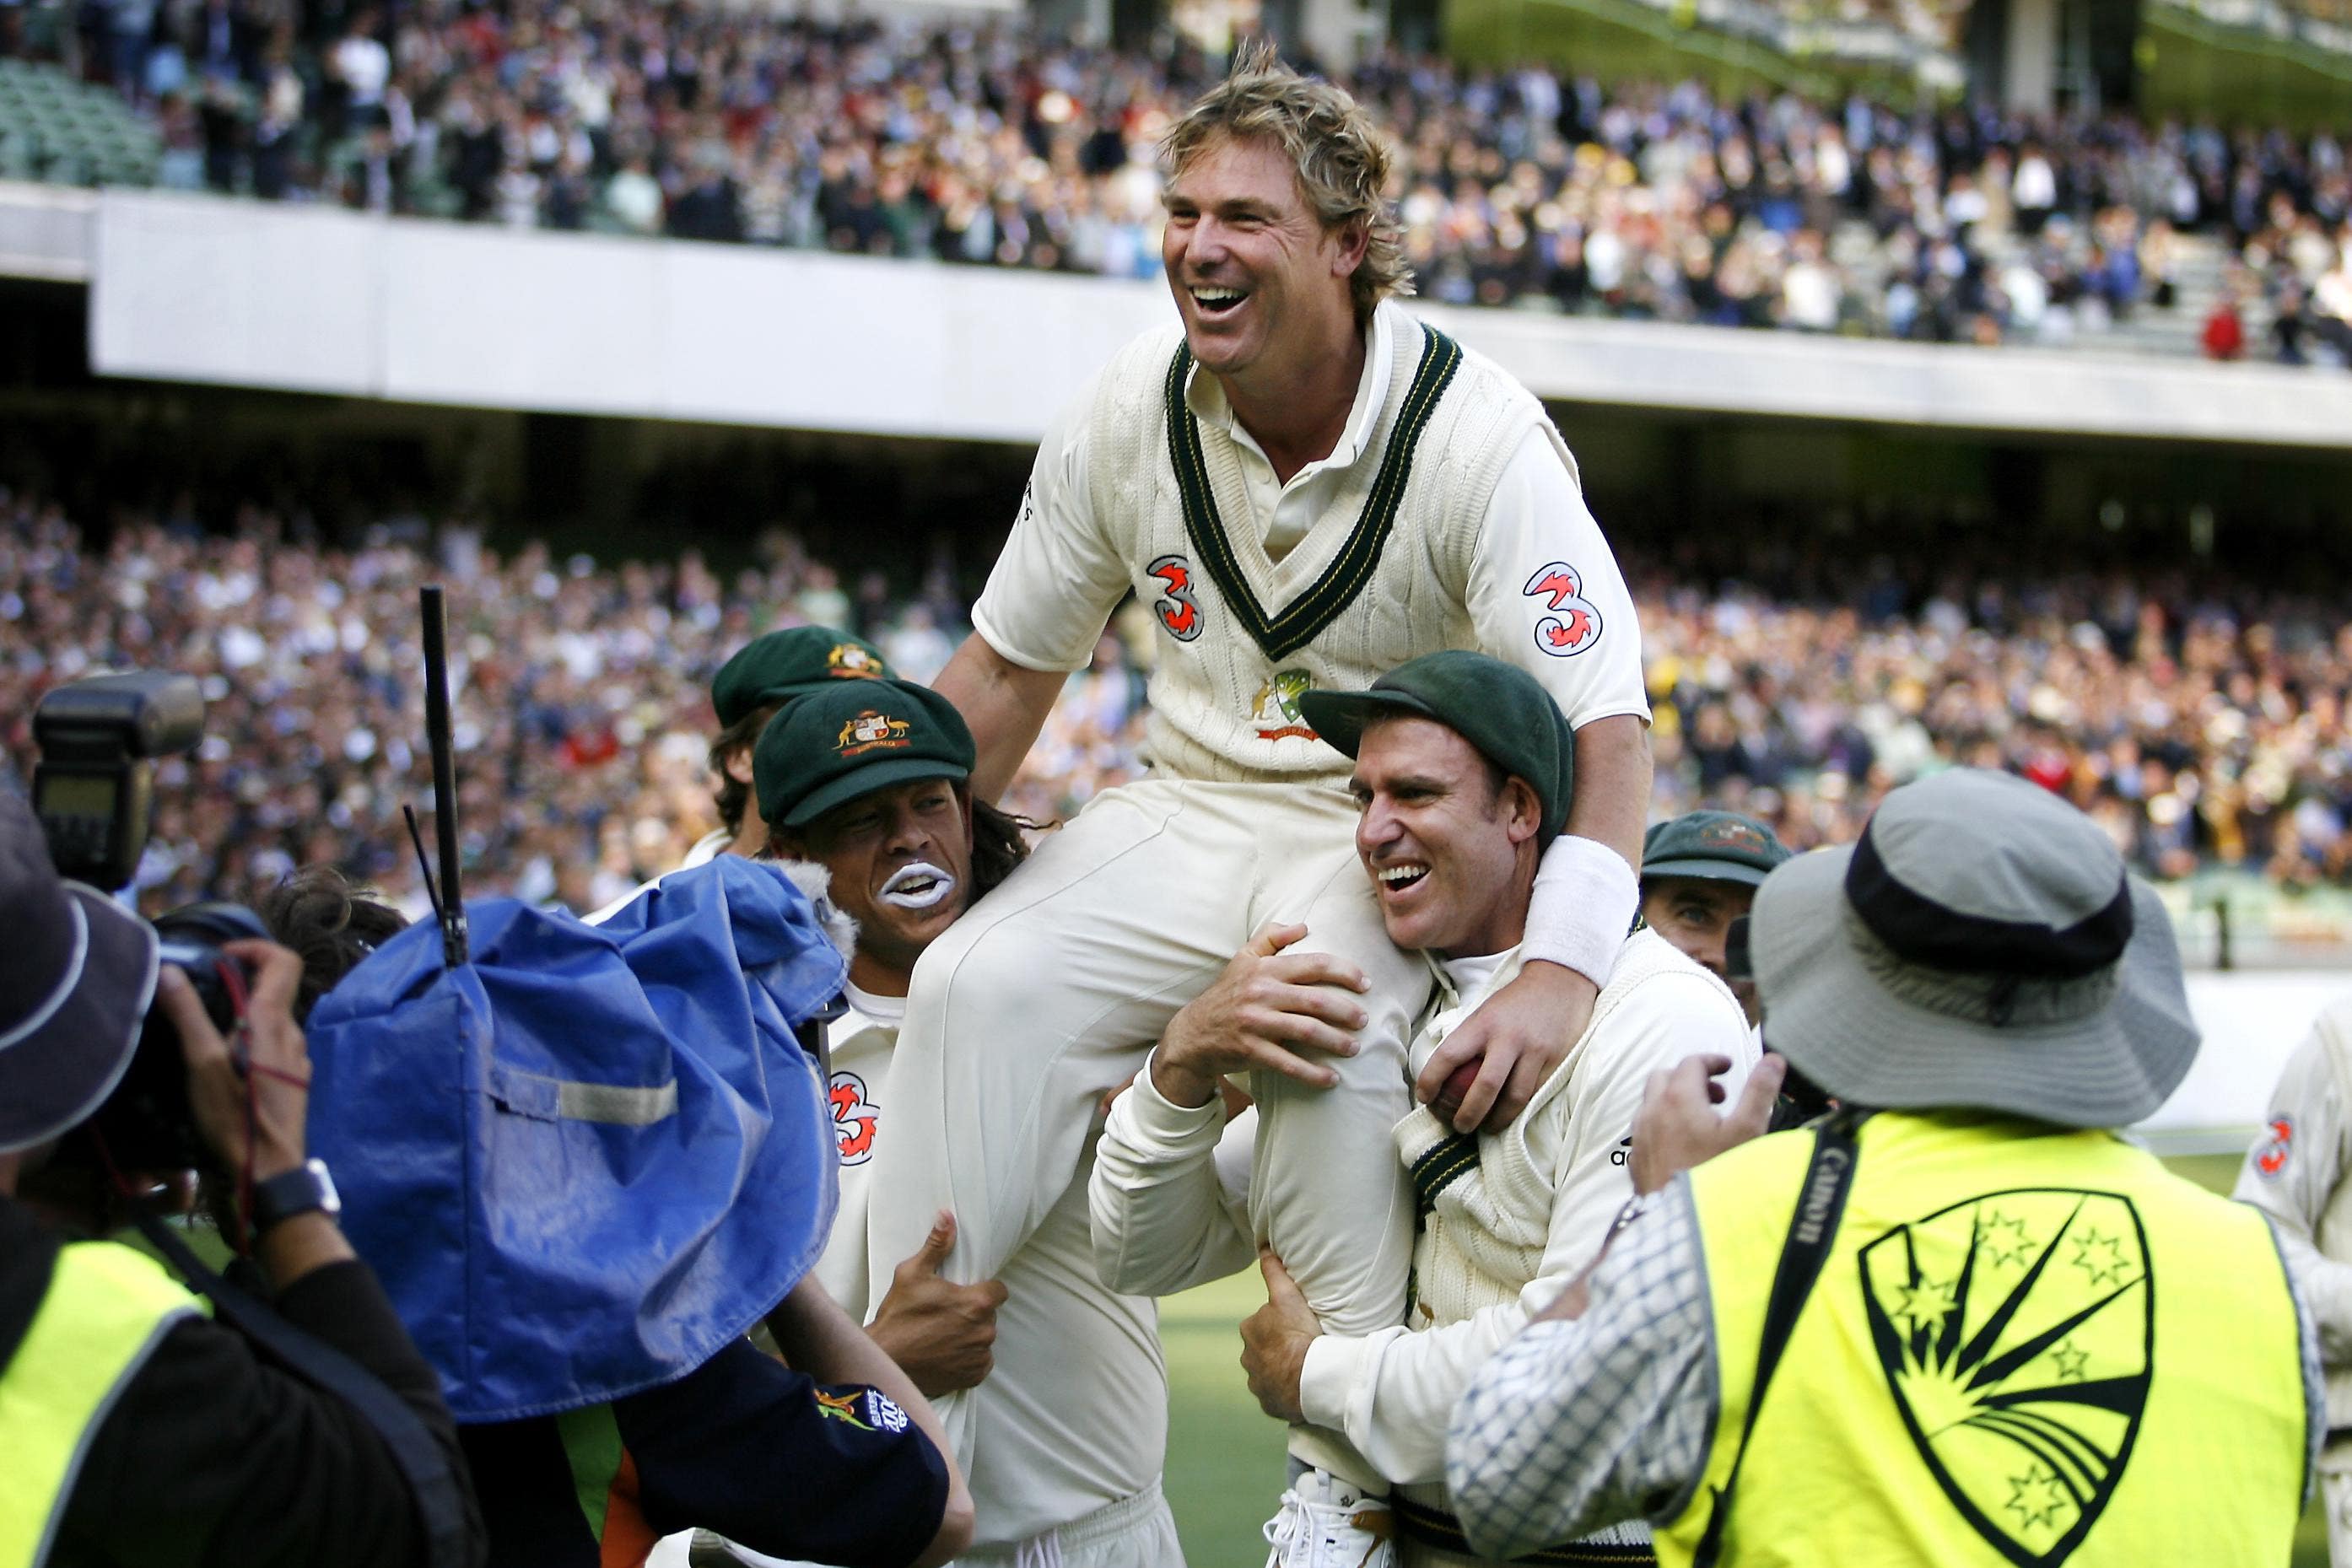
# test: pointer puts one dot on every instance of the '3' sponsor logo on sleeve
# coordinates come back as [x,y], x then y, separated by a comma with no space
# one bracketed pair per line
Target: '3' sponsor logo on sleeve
[1568,623]
[855,1118]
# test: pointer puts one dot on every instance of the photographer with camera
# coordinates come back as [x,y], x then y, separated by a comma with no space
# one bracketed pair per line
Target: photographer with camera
[138,1430]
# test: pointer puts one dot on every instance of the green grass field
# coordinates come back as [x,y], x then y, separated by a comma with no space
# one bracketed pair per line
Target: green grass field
[1225,1459]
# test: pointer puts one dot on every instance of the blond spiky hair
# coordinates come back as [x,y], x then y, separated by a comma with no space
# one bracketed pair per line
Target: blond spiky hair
[1342,156]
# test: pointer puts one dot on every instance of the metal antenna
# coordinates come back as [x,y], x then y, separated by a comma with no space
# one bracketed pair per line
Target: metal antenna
[455,948]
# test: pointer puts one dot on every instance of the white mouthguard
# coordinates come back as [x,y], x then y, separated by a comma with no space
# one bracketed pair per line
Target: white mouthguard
[894,891]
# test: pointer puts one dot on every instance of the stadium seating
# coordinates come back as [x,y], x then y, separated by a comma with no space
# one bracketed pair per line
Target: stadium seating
[57,130]
[2194,719]
[1519,188]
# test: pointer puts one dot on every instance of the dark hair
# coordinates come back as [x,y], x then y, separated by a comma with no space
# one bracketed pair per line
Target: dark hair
[997,845]
[330,923]
[1499,777]
[733,795]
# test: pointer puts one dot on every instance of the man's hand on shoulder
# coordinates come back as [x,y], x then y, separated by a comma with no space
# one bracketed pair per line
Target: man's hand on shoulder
[1516,1039]
[1265,1009]
[1678,1127]
[941,1335]
[1274,1339]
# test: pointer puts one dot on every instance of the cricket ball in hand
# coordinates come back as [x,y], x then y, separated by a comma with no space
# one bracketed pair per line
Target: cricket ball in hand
[1448,1103]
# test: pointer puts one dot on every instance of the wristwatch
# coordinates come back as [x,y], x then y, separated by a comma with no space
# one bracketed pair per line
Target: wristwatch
[305,1189]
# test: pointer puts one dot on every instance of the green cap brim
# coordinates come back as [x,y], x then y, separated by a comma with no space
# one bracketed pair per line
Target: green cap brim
[1707,871]
[1340,717]
[864,781]
[782,698]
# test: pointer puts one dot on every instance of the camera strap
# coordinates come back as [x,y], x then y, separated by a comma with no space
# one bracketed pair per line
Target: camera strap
[438,1491]
[1820,1205]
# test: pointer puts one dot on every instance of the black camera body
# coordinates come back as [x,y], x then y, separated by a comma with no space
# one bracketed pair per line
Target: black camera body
[93,791]
[146,1125]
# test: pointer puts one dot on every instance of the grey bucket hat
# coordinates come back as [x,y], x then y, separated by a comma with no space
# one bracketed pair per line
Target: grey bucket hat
[74,992]
[1982,947]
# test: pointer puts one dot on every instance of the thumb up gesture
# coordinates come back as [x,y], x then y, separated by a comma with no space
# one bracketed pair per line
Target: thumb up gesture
[941,1333]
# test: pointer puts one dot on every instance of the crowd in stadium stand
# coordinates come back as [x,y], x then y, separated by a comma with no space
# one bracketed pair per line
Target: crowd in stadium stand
[2198,730]
[987,146]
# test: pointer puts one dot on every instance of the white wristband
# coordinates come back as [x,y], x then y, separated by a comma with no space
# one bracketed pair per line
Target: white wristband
[1584,902]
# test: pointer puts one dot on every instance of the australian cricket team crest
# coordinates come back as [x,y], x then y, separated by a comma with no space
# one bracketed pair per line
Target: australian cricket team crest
[1275,712]
[871,731]
[852,662]
[2015,1332]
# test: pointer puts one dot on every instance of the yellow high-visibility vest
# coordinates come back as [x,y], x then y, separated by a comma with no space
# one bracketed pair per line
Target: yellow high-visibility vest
[106,1308]
[2026,1346]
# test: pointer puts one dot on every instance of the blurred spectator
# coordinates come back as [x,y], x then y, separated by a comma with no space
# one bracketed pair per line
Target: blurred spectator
[2331,302]
[2224,334]
[985,143]
[358,67]
[2201,725]
[634,198]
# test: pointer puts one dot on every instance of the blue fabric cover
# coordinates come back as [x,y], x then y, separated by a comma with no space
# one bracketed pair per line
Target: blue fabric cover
[543,1262]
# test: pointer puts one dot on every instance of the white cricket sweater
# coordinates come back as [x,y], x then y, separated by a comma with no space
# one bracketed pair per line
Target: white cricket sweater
[1508,1233]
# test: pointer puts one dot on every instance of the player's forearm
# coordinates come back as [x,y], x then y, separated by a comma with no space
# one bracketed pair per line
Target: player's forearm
[1588,887]
[1155,1203]
[2327,1287]
[1614,768]
[819,1340]
[1393,1393]
[1005,706]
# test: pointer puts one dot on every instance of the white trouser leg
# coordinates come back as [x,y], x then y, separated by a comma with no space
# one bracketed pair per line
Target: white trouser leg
[2335,1498]
[1137,1532]
[1046,996]
[1327,1189]
[1052,989]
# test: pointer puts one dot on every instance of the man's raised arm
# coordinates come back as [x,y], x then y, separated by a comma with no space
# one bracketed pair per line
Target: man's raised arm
[1006,706]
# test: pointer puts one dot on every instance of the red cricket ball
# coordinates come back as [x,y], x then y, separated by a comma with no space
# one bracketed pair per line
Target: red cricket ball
[1448,1103]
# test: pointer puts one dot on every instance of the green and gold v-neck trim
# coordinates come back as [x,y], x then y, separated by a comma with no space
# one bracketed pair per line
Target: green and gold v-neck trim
[1299,622]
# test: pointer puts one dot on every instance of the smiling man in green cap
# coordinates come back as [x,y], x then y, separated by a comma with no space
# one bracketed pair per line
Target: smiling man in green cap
[1462,778]
[1699,873]
[763,677]
[872,783]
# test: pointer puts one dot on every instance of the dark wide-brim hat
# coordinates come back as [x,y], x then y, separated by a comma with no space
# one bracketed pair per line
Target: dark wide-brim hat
[839,744]
[1981,946]
[791,663]
[73,994]
[1499,709]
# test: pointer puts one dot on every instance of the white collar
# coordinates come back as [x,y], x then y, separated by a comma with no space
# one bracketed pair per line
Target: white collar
[1205,396]
[1473,979]
[888,1010]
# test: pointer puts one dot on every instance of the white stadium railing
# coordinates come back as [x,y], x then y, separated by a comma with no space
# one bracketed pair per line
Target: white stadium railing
[202,289]
[44,231]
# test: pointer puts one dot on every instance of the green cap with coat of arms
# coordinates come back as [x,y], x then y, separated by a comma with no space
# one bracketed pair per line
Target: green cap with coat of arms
[1716,846]
[841,742]
[792,664]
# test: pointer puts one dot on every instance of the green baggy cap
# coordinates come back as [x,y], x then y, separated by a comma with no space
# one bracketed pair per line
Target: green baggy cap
[1499,709]
[841,742]
[1718,846]
[782,665]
